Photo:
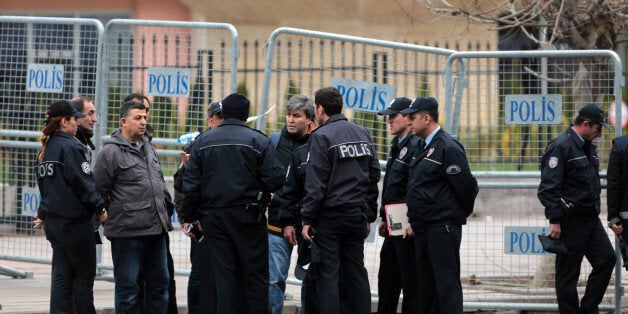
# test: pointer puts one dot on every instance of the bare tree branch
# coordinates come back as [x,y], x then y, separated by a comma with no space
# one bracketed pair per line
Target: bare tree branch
[579,24]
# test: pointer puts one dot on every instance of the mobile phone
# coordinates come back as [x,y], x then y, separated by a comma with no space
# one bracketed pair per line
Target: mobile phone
[198,234]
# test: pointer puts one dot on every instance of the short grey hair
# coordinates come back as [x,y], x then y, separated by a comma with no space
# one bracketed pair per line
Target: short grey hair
[301,102]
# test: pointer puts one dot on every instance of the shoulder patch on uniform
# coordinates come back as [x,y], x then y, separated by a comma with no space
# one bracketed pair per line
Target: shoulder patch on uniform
[553,162]
[453,169]
[87,169]
[403,152]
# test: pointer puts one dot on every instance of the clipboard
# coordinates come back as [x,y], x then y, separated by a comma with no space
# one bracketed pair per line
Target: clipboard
[396,218]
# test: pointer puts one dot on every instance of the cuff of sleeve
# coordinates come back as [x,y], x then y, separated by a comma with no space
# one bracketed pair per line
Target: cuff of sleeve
[286,222]
[613,221]
[555,220]
[188,219]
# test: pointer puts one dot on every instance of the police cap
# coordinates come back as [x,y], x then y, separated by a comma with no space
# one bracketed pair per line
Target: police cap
[593,113]
[63,108]
[395,106]
[421,104]
[215,108]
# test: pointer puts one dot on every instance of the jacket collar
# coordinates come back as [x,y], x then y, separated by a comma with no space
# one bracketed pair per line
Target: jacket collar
[335,118]
[575,137]
[232,121]
[118,139]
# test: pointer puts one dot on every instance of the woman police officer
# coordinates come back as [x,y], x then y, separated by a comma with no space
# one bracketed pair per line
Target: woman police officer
[68,202]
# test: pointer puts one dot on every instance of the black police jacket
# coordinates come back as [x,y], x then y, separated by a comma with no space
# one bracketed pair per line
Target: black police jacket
[293,191]
[343,170]
[617,178]
[228,167]
[441,188]
[569,170]
[395,185]
[65,180]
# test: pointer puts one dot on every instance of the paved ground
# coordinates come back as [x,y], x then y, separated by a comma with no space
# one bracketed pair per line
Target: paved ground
[489,274]
[31,295]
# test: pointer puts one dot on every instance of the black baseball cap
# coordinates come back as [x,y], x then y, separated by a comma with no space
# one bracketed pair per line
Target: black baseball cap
[215,108]
[421,104]
[395,106]
[595,114]
[63,108]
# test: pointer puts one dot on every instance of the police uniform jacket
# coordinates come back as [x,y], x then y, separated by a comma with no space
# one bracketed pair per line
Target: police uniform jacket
[228,167]
[570,170]
[397,170]
[288,143]
[65,180]
[292,192]
[343,170]
[441,188]
[133,188]
[617,178]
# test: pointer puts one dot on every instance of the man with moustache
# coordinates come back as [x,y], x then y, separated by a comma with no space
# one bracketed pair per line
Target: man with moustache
[128,176]
[299,117]
[570,192]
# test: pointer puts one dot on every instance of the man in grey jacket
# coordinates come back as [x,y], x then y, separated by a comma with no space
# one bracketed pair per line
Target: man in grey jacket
[129,178]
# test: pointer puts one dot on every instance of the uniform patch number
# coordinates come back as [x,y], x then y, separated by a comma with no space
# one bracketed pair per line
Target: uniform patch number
[453,169]
[354,150]
[553,162]
[45,169]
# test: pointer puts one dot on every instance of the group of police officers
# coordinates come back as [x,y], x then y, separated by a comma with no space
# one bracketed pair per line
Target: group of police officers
[322,187]
[331,187]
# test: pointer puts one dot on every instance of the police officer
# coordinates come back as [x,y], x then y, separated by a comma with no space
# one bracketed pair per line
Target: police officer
[214,118]
[441,194]
[617,191]
[69,200]
[397,258]
[570,192]
[230,172]
[340,202]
